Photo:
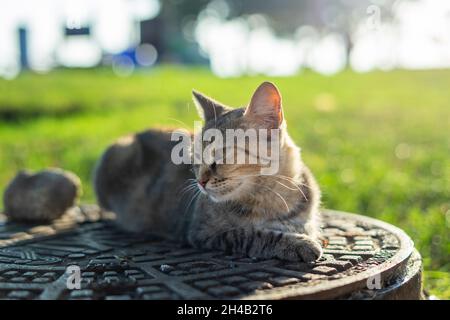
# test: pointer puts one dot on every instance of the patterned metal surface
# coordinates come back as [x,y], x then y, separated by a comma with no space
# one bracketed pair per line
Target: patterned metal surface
[119,265]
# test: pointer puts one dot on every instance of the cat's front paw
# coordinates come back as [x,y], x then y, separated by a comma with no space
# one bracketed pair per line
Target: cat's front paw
[299,247]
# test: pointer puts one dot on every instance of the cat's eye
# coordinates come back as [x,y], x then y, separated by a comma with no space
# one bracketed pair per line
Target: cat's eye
[213,166]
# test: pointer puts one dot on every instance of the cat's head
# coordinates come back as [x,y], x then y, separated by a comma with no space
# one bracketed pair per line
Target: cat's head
[224,180]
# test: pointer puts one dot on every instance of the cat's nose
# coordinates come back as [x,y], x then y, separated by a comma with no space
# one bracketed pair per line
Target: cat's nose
[203,181]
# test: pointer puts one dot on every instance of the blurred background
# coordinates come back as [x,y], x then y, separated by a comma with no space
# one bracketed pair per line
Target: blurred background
[232,37]
[366,88]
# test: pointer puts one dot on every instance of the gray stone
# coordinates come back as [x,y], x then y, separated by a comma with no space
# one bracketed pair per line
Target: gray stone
[41,196]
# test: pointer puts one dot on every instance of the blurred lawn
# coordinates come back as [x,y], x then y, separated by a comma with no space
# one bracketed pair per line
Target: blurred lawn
[378,143]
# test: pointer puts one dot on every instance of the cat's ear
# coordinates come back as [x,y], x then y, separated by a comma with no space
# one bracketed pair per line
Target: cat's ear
[207,108]
[265,107]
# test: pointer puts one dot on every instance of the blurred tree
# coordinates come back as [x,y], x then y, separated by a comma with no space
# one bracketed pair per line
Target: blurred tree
[171,43]
[339,16]
[284,17]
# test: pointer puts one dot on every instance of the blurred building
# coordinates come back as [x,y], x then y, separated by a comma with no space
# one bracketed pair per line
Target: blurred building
[41,35]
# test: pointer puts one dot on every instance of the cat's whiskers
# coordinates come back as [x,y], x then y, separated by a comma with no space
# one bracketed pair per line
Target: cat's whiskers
[296,187]
[181,122]
[191,185]
[266,188]
[290,179]
[189,182]
[294,183]
[276,193]
[196,194]
[293,189]
[188,189]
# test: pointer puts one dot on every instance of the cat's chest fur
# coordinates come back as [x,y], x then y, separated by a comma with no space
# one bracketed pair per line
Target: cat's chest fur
[301,218]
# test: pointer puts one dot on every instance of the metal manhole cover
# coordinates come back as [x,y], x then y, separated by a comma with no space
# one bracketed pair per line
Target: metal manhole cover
[118,265]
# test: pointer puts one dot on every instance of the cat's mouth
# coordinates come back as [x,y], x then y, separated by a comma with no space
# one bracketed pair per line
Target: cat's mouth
[202,189]
[220,194]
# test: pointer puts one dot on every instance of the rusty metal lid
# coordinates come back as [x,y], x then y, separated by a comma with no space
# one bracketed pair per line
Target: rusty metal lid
[361,255]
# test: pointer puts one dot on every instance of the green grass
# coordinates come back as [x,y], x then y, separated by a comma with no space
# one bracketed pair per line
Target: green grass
[378,143]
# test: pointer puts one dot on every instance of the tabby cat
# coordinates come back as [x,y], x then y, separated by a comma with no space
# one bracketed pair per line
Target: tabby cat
[229,207]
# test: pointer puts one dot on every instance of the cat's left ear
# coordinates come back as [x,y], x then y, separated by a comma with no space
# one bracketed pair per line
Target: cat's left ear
[265,107]
[207,108]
